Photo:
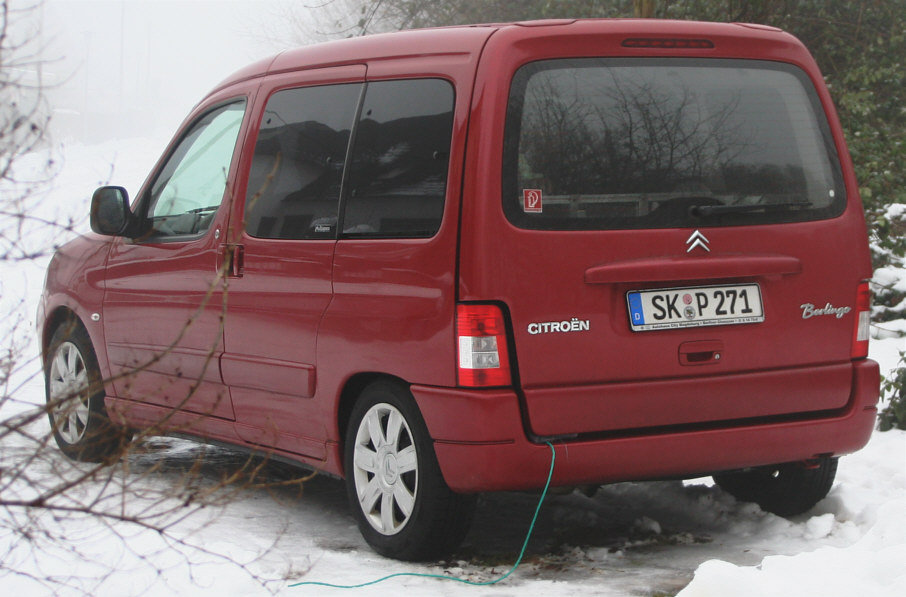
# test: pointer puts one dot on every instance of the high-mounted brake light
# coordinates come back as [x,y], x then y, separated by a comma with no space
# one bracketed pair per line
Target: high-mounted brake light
[862,325]
[482,342]
[690,44]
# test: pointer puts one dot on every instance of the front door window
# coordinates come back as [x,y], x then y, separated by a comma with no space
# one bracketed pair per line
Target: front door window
[190,186]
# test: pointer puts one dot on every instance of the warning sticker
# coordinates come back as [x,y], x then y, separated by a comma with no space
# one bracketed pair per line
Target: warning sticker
[531,201]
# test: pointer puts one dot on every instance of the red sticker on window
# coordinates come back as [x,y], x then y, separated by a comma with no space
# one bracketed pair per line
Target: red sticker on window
[531,201]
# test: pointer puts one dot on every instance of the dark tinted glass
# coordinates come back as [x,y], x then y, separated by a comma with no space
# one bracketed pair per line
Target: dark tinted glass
[294,183]
[598,144]
[399,163]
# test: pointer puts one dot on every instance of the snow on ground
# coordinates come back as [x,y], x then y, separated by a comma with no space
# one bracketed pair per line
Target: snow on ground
[629,539]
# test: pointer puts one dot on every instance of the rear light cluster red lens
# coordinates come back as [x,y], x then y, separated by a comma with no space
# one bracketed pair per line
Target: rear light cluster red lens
[673,44]
[482,346]
[862,325]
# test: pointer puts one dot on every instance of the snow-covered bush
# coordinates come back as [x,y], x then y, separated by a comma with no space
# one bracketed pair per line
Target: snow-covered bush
[894,389]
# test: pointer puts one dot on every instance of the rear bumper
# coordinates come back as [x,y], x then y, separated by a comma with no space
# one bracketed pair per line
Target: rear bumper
[481,444]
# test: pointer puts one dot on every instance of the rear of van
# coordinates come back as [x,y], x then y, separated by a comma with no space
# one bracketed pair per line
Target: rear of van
[663,262]
[637,243]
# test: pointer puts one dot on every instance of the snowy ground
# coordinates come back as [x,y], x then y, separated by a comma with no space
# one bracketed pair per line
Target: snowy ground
[665,538]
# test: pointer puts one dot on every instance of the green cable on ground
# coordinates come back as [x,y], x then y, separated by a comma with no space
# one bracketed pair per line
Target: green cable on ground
[453,578]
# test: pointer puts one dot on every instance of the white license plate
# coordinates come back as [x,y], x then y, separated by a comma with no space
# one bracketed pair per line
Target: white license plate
[669,308]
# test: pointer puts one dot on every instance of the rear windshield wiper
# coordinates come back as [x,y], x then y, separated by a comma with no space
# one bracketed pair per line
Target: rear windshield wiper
[703,211]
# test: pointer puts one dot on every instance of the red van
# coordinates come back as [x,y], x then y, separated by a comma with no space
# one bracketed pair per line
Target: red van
[410,260]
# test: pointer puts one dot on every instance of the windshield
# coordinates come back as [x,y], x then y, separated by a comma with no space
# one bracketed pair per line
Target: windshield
[642,143]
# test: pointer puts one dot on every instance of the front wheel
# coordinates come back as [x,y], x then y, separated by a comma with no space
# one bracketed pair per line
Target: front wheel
[75,398]
[394,484]
[784,489]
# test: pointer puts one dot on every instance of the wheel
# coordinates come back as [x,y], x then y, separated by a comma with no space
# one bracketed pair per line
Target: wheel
[394,484]
[75,398]
[783,489]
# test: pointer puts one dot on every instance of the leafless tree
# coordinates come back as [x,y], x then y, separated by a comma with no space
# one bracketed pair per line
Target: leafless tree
[149,483]
[23,122]
[635,138]
[319,20]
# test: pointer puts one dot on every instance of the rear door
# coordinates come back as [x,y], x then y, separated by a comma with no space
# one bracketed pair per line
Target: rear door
[677,245]
[283,239]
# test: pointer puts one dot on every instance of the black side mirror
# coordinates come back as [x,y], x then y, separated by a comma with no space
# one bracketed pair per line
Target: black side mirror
[110,214]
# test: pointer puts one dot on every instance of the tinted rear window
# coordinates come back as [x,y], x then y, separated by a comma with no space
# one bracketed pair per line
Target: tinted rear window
[399,166]
[637,143]
[294,182]
[395,181]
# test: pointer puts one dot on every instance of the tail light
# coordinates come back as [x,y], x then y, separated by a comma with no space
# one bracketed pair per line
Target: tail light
[483,356]
[863,322]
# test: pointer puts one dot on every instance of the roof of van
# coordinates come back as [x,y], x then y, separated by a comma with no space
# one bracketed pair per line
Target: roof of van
[469,39]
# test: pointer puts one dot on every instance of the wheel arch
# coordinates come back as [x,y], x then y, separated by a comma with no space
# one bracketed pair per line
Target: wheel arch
[421,518]
[55,319]
[75,392]
[350,394]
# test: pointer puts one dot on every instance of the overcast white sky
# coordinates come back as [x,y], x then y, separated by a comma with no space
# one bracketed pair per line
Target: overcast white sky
[115,68]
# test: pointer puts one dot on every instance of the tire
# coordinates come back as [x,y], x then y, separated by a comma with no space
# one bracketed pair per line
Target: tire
[783,489]
[396,492]
[75,398]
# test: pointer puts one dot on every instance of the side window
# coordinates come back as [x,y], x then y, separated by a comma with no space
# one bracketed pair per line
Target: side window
[294,182]
[399,162]
[189,188]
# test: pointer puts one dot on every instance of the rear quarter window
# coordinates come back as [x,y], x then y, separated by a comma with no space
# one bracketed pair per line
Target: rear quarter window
[642,143]
[400,157]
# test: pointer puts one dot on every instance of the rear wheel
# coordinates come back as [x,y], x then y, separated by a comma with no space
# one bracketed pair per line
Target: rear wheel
[394,484]
[75,398]
[783,489]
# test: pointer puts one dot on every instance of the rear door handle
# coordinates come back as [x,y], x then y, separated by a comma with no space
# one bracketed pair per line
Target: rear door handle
[701,352]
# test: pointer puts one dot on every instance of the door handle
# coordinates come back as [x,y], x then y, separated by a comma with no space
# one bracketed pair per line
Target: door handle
[233,260]
[704,352]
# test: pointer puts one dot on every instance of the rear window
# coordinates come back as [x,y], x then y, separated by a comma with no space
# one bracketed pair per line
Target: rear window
[399,163]
[641,143]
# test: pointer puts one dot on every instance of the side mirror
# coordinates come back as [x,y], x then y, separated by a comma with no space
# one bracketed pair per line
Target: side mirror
[110,214]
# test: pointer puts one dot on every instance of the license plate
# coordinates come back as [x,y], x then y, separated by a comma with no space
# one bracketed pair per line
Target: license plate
[669,308]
